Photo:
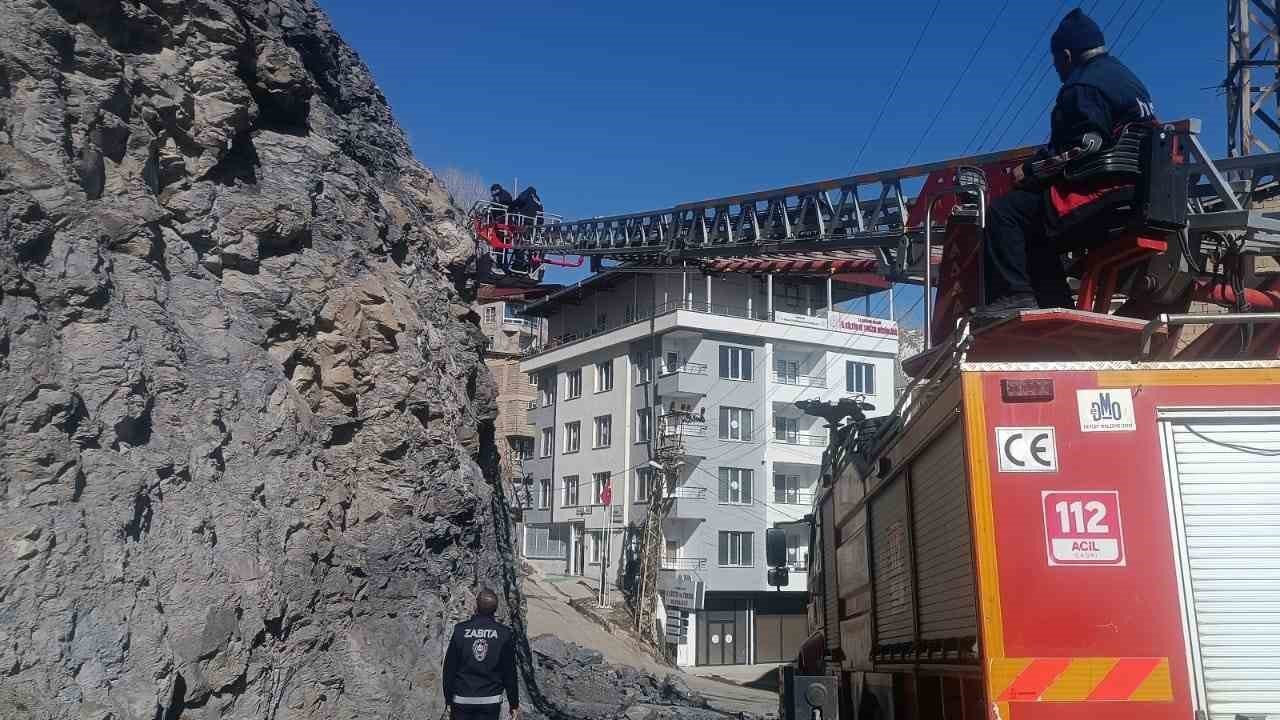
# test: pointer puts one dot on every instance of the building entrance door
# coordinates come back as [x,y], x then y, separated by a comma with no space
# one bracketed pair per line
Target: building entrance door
[722,639]
[579,551]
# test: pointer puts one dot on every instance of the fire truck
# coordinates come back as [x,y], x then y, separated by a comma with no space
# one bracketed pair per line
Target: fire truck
[1074,512]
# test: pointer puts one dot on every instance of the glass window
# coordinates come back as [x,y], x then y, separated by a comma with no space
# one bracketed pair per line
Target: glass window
[860,377]
[490,314]
[604,376]
[547,389]
[786,489]
[573,436]
[569,491]
[644,484]
[644,368]
[735,423]
[797,553]
[735,486]
[604,431]
[599,481]
[788,371]
[735,549]
[644,425]
[548,442]
[544,493]
[596,543]
[573,384]
[735,363]
[785,429]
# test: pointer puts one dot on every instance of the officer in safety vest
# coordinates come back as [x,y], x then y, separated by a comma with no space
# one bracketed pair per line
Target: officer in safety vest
[480,665]
[1099,98]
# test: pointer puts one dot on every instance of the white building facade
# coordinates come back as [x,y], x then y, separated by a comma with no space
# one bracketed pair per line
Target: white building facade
[625,352]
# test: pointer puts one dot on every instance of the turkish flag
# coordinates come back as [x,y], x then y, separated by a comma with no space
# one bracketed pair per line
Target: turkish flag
[606,495]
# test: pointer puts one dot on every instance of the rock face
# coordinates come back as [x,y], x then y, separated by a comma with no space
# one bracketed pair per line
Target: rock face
[581,685]
[239,393]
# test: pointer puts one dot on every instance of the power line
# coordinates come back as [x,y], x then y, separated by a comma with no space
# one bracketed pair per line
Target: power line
[901,72]
[1154,11]
[1035,41]
[1022,106]
[942,107]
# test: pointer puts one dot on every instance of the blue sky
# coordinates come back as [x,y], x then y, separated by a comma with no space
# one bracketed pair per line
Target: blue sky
[622,107]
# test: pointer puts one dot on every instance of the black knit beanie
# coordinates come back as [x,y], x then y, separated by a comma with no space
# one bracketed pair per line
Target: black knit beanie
[1077,32]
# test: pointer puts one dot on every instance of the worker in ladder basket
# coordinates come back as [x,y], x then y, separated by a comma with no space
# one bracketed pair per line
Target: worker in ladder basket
[1055,193]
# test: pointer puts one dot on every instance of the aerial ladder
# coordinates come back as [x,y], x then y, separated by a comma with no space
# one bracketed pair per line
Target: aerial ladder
[1192,236]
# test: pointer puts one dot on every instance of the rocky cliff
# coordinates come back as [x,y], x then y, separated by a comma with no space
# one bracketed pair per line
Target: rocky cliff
[239,393]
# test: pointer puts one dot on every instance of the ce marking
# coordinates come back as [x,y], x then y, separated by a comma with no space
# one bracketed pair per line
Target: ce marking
[1027,449]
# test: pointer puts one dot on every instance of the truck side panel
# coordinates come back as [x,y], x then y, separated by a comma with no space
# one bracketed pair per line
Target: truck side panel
[1078,586]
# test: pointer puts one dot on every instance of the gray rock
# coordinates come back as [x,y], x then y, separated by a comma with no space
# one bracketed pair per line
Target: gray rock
[220,266]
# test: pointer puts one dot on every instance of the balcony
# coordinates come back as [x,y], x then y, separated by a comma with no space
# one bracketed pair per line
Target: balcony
[800,381]
[801,498]
[684,563]
[802,439]
[685,432]
[689,380]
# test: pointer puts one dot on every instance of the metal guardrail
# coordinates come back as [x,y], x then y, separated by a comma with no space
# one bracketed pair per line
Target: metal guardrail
[813,381]
[803,497]
[806,439]
[683,563]
[687,368]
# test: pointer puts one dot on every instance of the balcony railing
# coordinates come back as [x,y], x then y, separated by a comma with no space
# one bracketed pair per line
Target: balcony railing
[687,368]
[812,381]
[672,425]
[805,439]
[802,497]
[689,493]
[684,563]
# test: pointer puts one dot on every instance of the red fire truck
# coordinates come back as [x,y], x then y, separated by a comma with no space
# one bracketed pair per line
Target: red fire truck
[1073,513]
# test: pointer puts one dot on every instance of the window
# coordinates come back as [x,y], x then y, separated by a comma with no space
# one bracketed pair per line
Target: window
[548,442]
[735,486]
[644,484]
[544,493]
[860,377]
[788,371]
[511,311]
[547,389]
[735,363]
[671,363]
[596,544]
[572,436]
[569,491]
[523,448]
[490,315]
[672,551]
[786,489]
[644,425]
[573,384]
[599,481]
[797,553]
[785,429]
[735,423]
[546,542]
[644,368]
[604,431]
[735,549]
[604,376]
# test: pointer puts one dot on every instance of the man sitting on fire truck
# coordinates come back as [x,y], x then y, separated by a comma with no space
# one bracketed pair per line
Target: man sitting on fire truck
[1098,99]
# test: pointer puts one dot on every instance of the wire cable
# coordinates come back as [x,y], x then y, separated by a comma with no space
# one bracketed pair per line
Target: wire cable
[956,85]
[893,91]
[1026,78]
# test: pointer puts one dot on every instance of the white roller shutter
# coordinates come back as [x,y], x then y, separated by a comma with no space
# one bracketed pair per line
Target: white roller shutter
[1226,475]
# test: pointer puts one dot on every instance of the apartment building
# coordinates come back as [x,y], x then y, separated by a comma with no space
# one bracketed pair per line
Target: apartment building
[511,335]
[715,363]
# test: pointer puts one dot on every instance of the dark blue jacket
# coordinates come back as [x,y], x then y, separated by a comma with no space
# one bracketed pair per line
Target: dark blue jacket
[480,665]
[1100,95]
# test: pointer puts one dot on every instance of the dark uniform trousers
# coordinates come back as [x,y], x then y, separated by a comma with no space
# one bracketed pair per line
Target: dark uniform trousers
[477,712]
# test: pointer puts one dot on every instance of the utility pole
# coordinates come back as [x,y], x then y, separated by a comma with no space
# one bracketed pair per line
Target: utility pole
[1253,75]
